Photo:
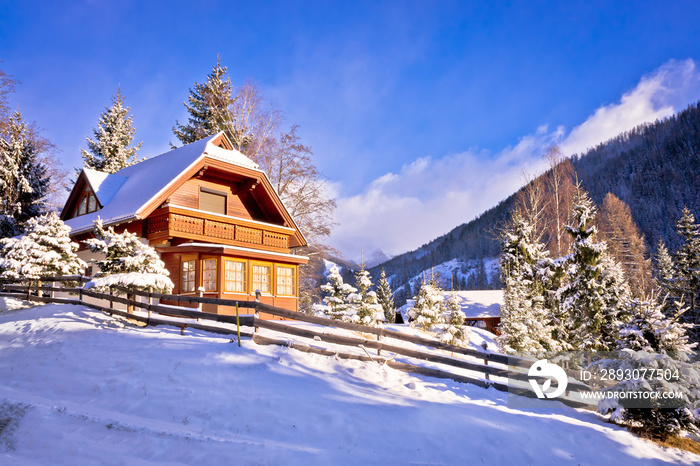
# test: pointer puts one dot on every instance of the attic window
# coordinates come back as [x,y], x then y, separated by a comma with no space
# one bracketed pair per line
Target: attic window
[212,201]
[88,203]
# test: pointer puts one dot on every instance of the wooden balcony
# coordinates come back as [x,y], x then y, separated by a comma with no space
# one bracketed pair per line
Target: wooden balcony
[175,222]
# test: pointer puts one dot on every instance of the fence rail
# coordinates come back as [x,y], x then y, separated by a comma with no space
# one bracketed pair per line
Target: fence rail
[253,321]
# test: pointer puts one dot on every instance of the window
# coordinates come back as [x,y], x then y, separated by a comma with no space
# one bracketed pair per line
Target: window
[187,274]
[285,280]
[88,203]
[92,203]
[235,276]
[82,207]
[212,201]
[262,278]
[209,274]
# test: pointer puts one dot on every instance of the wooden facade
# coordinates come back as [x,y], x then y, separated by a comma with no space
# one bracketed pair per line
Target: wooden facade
[219,226]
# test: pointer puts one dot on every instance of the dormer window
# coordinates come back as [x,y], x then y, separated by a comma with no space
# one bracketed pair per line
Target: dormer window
[88,203]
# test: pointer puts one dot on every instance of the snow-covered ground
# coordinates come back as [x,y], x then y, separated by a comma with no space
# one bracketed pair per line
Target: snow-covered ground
[80,387]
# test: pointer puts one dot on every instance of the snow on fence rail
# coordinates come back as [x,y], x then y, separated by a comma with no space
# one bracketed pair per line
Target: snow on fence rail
[167,312]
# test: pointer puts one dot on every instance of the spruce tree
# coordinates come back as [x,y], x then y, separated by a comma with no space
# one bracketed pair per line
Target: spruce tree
[384,296]
[110,151]
[428,307]
[649,329]
[453,331]
[45,250]
[23,177]
[338,293]
[651,340]
[369,311]
[208,107]
[664,267]
[525,322]
[595,293]
[687,270]
[128,262]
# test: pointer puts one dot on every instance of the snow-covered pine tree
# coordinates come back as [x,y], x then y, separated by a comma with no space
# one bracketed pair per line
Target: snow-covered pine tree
[595,293]
[23,178]
[208,107]
[385,298]
[454,332]
[369,311]
[128,262]
[649,329]
[653,341]
[338,292]
[687,270]
[525,323]
[428,306]
[45,250]
[664,267]
[110,151]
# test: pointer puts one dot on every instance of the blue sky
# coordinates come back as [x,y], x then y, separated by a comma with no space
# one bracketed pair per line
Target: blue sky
[420,114]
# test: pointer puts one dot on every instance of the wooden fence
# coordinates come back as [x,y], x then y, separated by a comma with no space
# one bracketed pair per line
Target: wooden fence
[493,365]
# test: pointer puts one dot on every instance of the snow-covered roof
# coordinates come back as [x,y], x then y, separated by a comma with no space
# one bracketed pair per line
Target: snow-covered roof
[479,303]
[104,185]
[474,303]
[131,188]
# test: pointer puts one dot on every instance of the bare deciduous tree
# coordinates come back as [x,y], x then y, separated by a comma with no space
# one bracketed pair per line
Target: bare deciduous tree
[561,188]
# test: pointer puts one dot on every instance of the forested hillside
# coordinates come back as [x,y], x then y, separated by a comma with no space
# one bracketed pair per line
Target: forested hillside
[654,168]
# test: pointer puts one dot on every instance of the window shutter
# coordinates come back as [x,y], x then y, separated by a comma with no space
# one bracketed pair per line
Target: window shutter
[212,202]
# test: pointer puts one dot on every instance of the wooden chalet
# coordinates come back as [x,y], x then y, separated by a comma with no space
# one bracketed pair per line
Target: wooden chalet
[210,212]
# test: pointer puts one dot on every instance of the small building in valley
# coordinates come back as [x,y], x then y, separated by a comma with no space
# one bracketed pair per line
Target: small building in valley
[482,308]
[209,211]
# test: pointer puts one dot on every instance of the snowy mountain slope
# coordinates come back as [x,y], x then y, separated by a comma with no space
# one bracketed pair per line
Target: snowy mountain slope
[77,386]
[453,274]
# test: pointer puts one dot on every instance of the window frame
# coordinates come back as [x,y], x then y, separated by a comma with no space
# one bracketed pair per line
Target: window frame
[202,261]
[246,278]
[271,284]
[293,285]
[184,259]
[85,198]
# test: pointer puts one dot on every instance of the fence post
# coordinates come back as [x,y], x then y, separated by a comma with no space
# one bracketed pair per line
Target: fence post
[130,307]
[200,294]
[111,293]
[150,301]
[257,312]
[80,288]
[238,325]
[29,288]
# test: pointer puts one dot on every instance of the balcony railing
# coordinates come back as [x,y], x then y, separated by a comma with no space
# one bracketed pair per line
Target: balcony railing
[173,222]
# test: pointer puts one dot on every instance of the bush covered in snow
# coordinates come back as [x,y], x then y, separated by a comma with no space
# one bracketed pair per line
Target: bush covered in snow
[128,262]
[45,250]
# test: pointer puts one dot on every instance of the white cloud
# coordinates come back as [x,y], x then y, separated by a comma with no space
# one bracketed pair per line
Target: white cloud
[658,95]
[400,211]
